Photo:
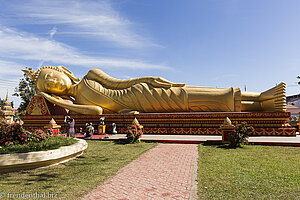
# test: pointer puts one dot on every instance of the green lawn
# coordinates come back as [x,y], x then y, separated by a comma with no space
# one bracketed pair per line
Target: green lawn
[75,178]
[251,172]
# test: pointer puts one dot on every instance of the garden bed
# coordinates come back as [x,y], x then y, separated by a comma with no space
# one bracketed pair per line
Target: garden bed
[51,143]
[19,161]
[20,149]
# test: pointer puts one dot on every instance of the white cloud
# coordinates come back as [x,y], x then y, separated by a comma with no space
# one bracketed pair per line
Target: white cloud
[94,18]
[16,45]
[53,31]
[9,68]
[9,80]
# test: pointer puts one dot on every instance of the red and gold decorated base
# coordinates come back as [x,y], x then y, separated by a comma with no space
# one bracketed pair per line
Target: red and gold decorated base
[226,130]
[265,123]
[38,106]
[40,112]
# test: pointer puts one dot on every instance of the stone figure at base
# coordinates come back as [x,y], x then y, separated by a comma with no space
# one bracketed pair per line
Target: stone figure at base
[99,93]
[89,130]
[114,128]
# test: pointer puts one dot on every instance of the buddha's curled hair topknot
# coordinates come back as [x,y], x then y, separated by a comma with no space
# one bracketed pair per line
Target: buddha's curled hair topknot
[35,74]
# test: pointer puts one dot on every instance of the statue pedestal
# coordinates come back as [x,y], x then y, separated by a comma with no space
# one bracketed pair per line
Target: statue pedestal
[226,130]
[201,123]
[52,126]
[101,129]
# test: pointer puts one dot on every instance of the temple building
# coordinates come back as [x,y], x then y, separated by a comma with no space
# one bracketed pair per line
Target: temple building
[7,110]
[293,100]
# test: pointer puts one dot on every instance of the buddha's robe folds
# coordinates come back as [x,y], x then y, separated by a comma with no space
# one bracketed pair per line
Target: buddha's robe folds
[143,97]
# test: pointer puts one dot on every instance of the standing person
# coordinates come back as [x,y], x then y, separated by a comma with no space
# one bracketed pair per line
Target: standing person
[71,123]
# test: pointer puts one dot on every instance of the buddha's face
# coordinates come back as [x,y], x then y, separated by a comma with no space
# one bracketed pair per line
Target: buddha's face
[52,81]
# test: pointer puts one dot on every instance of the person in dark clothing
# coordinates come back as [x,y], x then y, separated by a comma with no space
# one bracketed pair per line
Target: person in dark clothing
[89,130]
[71,123]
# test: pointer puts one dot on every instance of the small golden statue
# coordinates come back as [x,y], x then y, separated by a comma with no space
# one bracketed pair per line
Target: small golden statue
[99,93]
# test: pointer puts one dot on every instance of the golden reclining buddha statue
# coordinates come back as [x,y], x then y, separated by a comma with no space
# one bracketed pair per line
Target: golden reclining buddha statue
[99,93]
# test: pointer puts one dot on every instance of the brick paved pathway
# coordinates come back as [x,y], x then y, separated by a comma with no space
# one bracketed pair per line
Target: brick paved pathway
[164,172]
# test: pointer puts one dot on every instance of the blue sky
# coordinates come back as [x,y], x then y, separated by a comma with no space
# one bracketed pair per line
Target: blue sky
[213,43]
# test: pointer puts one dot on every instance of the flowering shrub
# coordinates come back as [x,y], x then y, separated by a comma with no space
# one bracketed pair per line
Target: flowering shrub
[240,134]
[38,135]
[134,133]
[12,134]
[15,134]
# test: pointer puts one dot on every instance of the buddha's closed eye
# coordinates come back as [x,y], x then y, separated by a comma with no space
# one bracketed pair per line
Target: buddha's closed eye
[49,75]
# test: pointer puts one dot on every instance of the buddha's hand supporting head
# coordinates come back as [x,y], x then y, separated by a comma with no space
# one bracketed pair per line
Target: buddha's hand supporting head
[53,80]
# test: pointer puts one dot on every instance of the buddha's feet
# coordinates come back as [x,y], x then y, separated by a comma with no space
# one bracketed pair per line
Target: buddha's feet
[274,99]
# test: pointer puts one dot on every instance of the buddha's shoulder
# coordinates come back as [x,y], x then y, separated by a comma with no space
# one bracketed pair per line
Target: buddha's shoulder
[90,83]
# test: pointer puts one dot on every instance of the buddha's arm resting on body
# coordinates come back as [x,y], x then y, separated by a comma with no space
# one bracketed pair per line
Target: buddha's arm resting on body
[110,82]
[82,109]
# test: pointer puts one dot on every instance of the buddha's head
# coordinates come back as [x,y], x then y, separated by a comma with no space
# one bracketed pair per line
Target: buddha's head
[53,80]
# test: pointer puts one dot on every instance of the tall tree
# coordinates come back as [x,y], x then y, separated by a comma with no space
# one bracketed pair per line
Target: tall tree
[26,90]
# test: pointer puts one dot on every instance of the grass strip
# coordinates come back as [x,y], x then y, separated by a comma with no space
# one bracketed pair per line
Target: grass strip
[73,179]
[251,172]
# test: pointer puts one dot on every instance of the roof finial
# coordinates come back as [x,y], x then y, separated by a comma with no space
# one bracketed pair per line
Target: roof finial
[6,95]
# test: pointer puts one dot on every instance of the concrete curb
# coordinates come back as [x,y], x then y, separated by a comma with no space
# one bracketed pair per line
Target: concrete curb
[13,162]
[194,182]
